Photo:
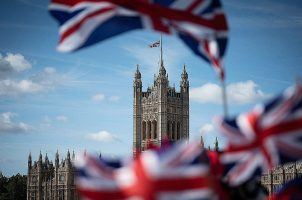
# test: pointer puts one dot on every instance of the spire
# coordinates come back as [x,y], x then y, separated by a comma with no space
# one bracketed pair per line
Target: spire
[57,161]
[184,74]
[216,147]
[184,83]
[137,73]
[29,160]
[201,142]
[68,155]
[73,155]
[46,158]
[40,156]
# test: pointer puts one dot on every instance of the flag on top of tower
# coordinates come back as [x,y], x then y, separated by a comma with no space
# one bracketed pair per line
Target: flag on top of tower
[264,138]
[201,25]
[155,44]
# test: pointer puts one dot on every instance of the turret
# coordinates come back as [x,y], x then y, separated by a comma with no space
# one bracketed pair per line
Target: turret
[184,83]
[68,155]
[137,83]
[68,160]
[201,142]
[40,158]
[216,147]
[29,161]
[73,156]
[57,161]
[46,159]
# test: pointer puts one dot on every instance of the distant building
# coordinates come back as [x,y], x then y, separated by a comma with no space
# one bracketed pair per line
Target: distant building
[160,112]
[275,178]
[48,181]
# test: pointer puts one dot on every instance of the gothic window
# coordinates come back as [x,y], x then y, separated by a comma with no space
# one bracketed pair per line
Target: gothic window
[154,129]
[173,131]
[32,195]
[61,194]
[178,131]
[34,180]
[149,130]
[144,130]
[168,129]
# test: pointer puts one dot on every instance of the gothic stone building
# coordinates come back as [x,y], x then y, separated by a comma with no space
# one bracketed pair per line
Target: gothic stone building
[160,112]
[275,178]
[48,181]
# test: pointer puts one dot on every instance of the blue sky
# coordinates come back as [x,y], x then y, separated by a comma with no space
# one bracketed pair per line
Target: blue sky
[83,100]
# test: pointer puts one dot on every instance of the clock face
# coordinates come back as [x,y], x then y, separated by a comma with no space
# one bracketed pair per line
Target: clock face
[61,178]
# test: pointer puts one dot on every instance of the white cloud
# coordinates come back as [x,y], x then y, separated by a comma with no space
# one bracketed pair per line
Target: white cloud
[206,128]
[103,136]
[237,93]
[62,118]
[49,78]
[13,63]
[98,97]
[8,126]
[40,82]
[114,98]
[10,87]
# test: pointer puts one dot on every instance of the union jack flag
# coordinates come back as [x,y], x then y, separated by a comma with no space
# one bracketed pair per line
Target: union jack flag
[292,190]
[267,136]
[180,172]
[200,24]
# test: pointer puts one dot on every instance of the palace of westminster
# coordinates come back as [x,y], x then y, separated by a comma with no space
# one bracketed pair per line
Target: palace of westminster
[159,112]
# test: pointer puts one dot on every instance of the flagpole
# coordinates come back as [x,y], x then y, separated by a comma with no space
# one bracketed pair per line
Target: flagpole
[161,49]
[224,97]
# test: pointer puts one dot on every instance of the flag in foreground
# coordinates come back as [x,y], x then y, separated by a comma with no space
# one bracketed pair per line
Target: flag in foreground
[201,25]
[290,191]
[267,136]
[180,172]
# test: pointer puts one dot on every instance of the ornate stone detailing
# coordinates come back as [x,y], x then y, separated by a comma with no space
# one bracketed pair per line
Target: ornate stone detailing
[160,111]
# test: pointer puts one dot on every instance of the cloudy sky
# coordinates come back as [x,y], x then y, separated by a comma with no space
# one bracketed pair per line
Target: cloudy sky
[83,100]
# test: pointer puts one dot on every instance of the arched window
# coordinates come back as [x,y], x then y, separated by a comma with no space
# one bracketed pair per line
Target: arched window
[155,129]
[144,131]
[178,131]
[168,130]
[149,130]
[173,131]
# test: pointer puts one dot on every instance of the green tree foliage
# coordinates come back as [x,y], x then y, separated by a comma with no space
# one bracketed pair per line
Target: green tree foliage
[13,188]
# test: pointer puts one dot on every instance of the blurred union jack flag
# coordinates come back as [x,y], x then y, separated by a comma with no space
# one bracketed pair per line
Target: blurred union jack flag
[200,24]
[267,136]
[180,172]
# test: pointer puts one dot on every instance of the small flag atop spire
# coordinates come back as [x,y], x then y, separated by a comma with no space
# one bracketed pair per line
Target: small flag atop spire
[155,44]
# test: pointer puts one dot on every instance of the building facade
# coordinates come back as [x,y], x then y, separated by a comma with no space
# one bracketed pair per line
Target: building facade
[275,178]
[161,112]
[48,181]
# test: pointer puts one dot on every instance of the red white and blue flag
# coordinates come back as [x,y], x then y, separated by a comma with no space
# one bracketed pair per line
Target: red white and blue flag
[291,190]
[179,172]
[267,136]
[200,24]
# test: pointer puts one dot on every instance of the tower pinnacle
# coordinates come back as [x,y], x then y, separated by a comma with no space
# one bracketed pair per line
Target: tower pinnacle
[137,73]
[57,159]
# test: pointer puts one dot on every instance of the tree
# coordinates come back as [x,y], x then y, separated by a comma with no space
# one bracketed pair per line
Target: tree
[13,188]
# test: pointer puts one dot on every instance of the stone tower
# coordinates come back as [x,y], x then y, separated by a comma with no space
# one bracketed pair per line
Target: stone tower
[160,112]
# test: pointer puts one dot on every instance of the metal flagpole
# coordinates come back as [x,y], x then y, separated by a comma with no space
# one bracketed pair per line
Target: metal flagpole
[224,98]
[161,49]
